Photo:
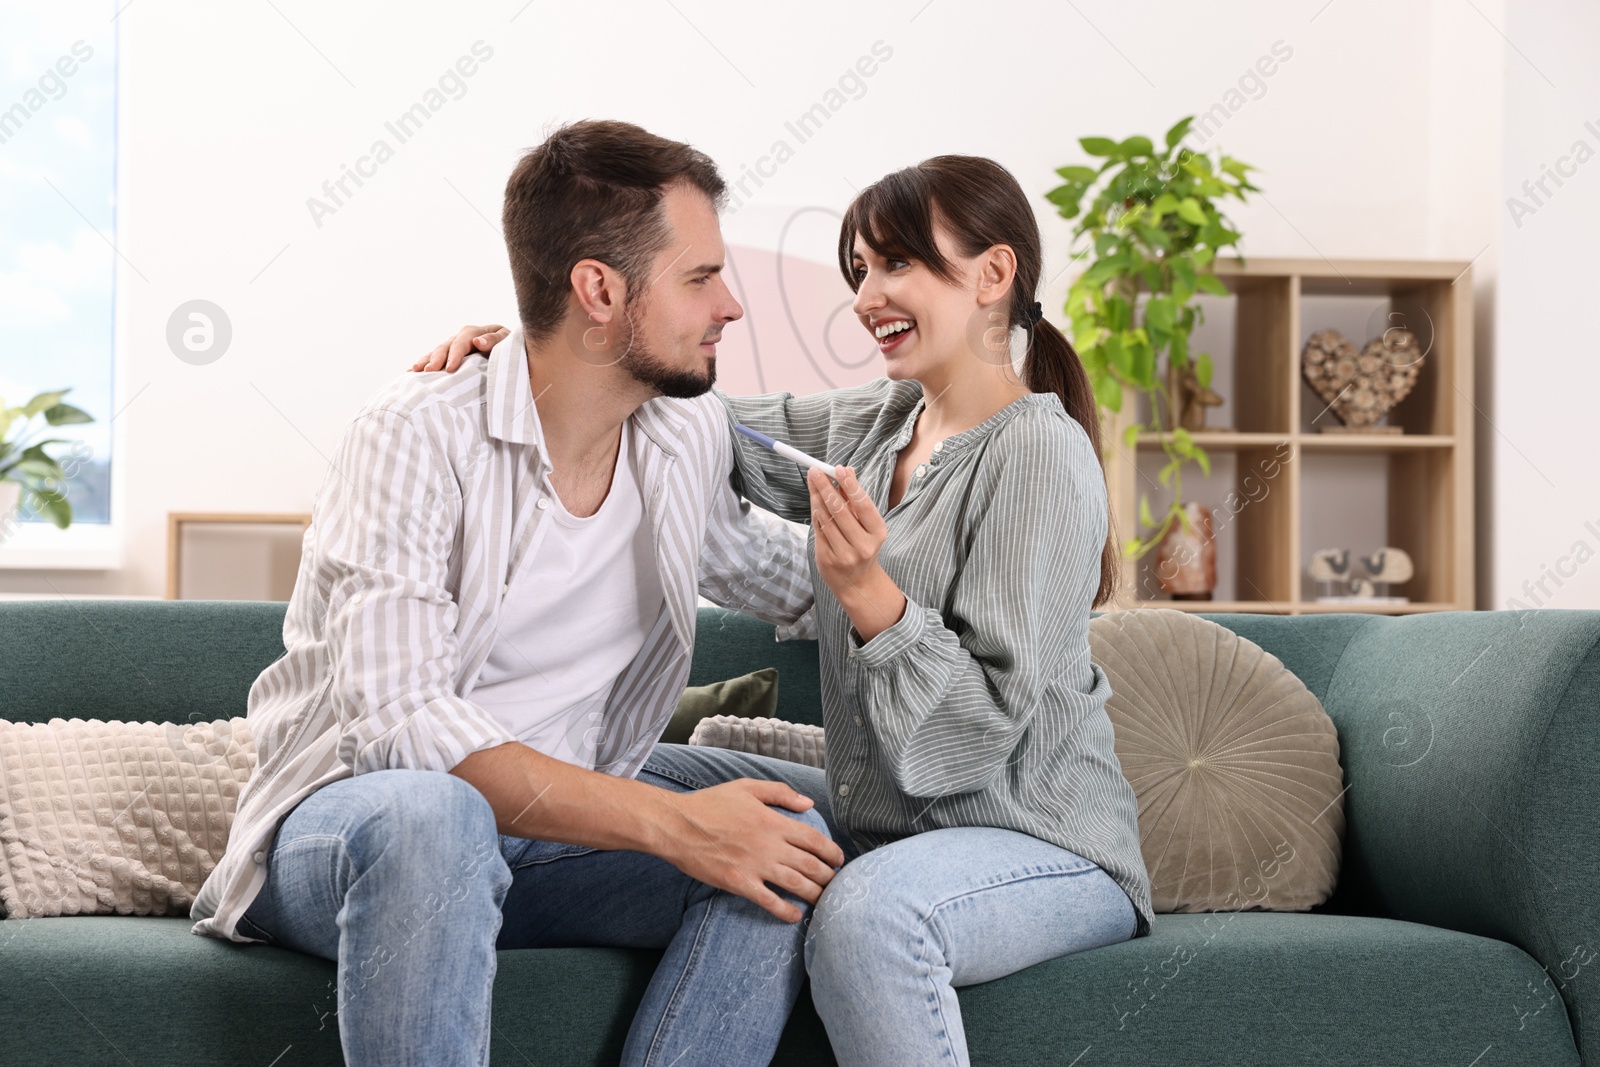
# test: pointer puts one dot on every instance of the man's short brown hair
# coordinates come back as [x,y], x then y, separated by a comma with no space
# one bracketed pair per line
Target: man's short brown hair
[593,190]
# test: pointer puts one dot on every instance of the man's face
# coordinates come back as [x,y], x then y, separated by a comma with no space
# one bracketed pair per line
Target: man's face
[676,320]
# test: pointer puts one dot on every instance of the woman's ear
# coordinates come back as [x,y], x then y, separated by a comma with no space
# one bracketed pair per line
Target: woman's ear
[997,270]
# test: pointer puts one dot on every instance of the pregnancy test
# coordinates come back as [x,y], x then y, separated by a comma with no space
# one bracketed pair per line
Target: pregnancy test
[787,451]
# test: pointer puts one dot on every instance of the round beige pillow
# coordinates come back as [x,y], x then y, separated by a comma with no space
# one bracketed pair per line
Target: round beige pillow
[1234,762]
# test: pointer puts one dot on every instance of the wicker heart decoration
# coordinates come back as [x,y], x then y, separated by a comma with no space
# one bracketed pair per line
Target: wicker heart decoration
[1361,387]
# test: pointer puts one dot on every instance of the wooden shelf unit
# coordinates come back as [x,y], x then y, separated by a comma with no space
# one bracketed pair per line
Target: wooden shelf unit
[1428,469]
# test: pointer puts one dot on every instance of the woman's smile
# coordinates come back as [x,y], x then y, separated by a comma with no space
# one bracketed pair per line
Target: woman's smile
[892,333]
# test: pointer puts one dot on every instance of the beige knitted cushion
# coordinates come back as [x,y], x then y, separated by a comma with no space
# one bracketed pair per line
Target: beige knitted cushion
[797,742]
[124,818]
[1233,760]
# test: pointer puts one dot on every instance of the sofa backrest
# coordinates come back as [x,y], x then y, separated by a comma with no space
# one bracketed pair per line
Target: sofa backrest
[195,660]
[1469,740]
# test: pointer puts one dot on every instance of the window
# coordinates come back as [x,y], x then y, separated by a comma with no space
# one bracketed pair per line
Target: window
[57,265]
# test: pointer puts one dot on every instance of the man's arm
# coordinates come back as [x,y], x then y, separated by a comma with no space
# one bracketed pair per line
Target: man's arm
[391,517]
[725,836]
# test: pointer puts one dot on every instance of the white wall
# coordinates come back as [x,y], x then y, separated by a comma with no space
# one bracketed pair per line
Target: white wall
[1546,389]
[1379,137]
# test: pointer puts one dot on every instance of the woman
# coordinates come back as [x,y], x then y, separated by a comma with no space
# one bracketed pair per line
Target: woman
[955,566]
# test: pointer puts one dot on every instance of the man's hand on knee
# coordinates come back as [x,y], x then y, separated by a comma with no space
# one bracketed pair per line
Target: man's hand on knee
[729,836]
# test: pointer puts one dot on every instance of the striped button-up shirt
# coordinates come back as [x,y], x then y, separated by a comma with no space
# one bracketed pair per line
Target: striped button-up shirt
[426,515]
[980,706]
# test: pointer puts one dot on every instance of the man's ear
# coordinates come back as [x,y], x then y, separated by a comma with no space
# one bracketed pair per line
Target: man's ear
[599,290]
[997,269]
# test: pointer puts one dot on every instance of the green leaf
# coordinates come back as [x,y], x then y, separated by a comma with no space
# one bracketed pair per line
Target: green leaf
[1144,364]
[1210,283]
[1063,194]
[1154,236]
[1135,146]
[1118,313]
[1204,460]
[1098,146]
[43,470]
[1179,130]
[36,450]
[1190,211]
[1081,175]
[1235,168]
[1130,435]
[1108,391]
[1202,370]
[1144,511]
[1118,355]
[1182,441]
[1165,204]
[53,506]
[1159,314]
[1104,270]
[43,401]
[1179,348]
[1105,243]
[1151,273]
[66,414]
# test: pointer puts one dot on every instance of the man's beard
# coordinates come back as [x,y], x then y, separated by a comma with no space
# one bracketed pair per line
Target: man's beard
[650,369]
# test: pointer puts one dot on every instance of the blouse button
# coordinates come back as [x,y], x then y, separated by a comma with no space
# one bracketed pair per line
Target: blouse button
[260,857]
[844,790]
[939,447]
[858,720]
[921,471]
[543,504]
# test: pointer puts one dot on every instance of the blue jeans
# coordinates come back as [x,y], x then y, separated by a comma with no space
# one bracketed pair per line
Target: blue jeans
[898,928]
[402,879]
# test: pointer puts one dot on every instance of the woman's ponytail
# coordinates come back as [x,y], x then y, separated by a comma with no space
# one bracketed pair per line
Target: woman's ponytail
[1052,366]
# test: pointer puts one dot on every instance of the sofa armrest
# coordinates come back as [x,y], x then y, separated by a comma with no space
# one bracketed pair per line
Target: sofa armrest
[1471,748]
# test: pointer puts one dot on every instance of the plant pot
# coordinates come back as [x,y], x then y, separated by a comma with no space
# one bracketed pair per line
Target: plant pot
[1186,559]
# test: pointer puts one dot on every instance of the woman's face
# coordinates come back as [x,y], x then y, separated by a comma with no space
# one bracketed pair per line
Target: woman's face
[919,320]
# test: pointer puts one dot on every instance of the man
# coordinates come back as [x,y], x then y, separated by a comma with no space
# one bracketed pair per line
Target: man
[499,583]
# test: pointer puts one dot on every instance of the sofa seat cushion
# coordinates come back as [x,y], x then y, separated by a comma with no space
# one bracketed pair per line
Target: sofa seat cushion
[1231,988]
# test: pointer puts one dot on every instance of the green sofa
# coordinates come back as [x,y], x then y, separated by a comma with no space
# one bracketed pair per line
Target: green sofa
[1462,932]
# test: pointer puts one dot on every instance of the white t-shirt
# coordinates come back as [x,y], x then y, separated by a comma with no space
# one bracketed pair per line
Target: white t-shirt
[576,615]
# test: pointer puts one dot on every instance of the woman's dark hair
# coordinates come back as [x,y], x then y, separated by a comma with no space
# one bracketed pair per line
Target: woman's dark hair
[981,205]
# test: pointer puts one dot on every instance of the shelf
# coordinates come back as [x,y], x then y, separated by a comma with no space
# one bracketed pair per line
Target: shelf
[1374,442]
[1221,440]
[1303,607]
[1279,489]
[1311,607]
[1220,606]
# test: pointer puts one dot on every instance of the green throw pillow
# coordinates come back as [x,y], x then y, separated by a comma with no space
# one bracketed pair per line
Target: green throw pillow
[747,696]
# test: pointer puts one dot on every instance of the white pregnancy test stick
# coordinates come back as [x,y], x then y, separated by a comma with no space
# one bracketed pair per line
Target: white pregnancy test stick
[787,451]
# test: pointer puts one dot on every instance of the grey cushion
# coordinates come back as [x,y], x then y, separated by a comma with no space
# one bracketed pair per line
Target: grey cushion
[1233,759]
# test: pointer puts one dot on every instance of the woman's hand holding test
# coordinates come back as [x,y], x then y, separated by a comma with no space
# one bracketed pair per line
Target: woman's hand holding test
[849,533]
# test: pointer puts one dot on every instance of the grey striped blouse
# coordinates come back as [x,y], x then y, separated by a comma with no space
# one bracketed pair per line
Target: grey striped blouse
[980,707]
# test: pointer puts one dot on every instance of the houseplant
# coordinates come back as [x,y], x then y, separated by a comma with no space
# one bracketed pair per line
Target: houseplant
[1149,221]
[27,472]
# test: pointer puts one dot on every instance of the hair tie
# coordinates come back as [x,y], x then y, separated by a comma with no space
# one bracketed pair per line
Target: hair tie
[1035,313]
